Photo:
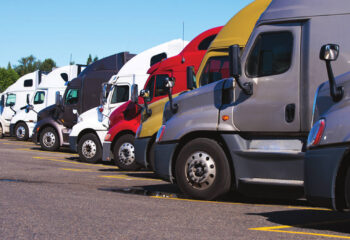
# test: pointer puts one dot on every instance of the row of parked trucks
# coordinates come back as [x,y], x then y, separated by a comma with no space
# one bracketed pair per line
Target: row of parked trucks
[231,110]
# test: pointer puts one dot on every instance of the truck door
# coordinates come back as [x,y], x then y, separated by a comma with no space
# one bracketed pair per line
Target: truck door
[71,101]
[271,62]
[40,101]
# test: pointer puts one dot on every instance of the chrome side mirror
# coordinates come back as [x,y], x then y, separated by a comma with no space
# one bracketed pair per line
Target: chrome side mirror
[329,52]
[134,93]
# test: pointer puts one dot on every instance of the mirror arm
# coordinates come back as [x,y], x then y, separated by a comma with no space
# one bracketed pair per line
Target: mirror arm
[12,109]
[247,87]
[336,92]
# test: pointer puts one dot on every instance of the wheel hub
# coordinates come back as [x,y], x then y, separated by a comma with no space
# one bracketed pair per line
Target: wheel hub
[200,170]
[127,153]
[89,149]
[49,139]
[21,131]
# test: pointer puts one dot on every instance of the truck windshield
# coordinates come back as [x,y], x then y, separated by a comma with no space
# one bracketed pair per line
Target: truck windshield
[10,100]
[216,69]
[72,97]
[120,94]
[39,97]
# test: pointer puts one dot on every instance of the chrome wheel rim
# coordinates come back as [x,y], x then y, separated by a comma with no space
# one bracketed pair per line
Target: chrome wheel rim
[21,132]
[126,153]
[200,170]
[49,139]
[89,149]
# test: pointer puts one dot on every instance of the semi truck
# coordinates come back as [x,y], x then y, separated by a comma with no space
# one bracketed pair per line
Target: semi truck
[119,142]
[327,165]
[214,67]
[23,122]
[250,131]
[15,97]
[87,135]
[55,122]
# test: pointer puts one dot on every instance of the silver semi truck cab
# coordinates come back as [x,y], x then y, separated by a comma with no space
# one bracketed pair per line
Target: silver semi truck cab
[252,129]
[327,163]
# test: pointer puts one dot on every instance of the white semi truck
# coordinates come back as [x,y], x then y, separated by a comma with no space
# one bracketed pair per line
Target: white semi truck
[88,134]
[23,122]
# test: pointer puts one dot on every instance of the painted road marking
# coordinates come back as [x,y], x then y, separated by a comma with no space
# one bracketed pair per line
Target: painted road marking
[279,229]
[239,203]
[78,163]
[33,150]
[78,170]
[16,143]
[126,177]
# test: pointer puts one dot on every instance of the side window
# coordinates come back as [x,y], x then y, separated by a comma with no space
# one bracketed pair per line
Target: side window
[72,97]
[120,94]
[28,83]
[271,55]
[150,87]
[217,68]
[204,45]
[10,100]
[160,84]
[39,97]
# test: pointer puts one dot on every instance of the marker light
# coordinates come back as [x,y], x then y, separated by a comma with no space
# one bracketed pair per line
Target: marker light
[160,133]
[100,109]
[225,117]
[316,133]
[107,137]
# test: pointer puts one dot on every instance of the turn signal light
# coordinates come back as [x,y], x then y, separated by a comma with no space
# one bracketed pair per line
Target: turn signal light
[107,137]
[100,109]
[160,133]
[225,118]
[316,133]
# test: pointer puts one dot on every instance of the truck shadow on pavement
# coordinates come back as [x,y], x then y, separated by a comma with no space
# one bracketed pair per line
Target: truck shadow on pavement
[311,219]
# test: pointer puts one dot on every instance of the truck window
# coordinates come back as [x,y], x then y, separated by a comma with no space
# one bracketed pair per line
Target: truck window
[72,97]
[160,85]
[120,94]
[216,69]
[204,45]
[28,83]
[11,100]
[39,97]
[271,55]
[150,87]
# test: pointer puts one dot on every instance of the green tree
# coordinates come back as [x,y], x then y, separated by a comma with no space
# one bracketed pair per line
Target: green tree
[89,60]
[95,59]
[47,65]
[9,66]
[27,65]
[7,78]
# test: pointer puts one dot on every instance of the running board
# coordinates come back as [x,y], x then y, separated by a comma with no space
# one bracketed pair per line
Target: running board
[267,181]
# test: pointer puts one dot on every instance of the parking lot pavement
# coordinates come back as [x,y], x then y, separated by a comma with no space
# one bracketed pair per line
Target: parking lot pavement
[51,195]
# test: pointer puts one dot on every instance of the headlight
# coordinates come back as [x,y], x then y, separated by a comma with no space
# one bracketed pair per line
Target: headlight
[316,133]
[80,119]
[160,133]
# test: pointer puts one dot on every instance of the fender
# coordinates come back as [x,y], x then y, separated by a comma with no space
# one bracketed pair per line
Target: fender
[124,126]
[48,122]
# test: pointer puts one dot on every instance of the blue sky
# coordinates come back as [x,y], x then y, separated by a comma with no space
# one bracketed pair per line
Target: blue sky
[57,29]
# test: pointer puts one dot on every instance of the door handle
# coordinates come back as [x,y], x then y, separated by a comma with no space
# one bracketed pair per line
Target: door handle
[290,113]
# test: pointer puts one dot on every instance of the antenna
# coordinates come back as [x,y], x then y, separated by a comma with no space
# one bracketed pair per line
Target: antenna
[183,40]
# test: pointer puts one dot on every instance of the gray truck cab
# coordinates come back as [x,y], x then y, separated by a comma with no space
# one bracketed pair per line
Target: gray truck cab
[327,163]
[251,129]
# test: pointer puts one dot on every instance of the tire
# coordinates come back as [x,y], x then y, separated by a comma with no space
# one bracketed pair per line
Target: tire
[49,140]
[21,132]
[347,188]
[1,132]
[151,157]
[89,148]
[124,153]
[210,177]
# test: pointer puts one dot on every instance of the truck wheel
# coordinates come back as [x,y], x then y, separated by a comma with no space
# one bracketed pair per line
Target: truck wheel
[151,157]
[21,132]
[347,188]
[1,132]
[89,148]
[49,139]
[124,153]
[202,170]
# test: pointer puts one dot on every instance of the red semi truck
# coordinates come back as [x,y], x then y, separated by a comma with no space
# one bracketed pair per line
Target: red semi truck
[125,120]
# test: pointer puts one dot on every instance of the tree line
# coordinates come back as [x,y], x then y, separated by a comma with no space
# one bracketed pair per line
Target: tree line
[26,65]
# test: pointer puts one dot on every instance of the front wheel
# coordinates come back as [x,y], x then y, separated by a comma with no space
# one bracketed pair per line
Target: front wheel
[202,170]
[124,153]
[347,188]
[21,131]
[1,132]
[89,148]
[49,139]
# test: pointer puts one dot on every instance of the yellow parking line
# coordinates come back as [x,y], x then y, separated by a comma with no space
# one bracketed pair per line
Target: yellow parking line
[277,229]
[79,163]
[130,178]
[32,150]
[78,170]
[17,143]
